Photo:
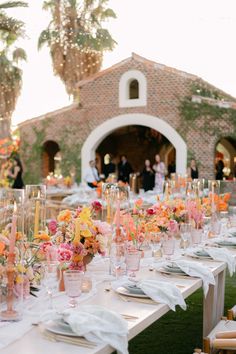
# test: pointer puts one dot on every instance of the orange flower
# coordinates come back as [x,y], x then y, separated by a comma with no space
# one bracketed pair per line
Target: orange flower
[65,215]
[2,247]
[42,237]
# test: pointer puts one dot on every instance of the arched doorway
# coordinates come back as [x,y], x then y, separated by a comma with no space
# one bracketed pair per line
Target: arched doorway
[109,126]
[226,151]
[138,143]
[49,155]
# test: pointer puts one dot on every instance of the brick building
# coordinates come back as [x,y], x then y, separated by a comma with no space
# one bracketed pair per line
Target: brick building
[134,108]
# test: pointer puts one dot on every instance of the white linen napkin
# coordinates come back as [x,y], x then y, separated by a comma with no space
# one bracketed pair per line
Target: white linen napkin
[159,291]
[100,325]
[197,270]
[223,255]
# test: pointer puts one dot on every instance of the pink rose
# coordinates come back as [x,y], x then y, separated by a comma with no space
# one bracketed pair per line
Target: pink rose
[52,226]
[96,205]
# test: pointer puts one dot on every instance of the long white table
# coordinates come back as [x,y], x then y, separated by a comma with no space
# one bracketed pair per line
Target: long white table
[34,343]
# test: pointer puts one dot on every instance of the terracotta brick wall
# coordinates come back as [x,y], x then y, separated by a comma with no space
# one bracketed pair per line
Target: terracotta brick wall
[99,101]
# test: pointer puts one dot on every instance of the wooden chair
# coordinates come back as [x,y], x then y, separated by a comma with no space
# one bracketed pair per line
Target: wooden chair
[222,339]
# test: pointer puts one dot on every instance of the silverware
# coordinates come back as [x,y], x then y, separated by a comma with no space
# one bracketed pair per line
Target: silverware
[69,340]
[136,299]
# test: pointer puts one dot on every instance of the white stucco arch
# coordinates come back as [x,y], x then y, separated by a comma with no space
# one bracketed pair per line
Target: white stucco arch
[110,125]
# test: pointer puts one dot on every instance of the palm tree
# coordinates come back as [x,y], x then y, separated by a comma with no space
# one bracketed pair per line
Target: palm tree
[77,39]
[11,30]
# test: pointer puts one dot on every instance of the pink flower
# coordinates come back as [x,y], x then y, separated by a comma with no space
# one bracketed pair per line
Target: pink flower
[45,246]
[103,227]
[52,226]
[64,252]
[173,226]
[96,205]
[150,211]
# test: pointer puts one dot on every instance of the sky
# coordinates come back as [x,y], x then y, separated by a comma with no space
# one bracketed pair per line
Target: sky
[197,36]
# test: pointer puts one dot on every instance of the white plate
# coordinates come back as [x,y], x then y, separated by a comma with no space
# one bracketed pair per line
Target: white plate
[164,271]
[226,244]
[59,327]
[121,290]
[193,255]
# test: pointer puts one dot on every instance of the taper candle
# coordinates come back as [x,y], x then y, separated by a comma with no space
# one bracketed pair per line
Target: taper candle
[36,217]
[12,239]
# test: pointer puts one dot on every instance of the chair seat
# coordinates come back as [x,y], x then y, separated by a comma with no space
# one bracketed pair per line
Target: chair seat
[222,326]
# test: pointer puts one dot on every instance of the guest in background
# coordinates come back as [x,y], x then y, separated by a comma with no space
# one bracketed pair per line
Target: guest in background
[16,173]
[193,170]
[124,169]
[148,176]
[219,170]
[159,169]
[91,175]
[109,168]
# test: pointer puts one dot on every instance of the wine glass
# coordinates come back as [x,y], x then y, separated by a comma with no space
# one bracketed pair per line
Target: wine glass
[50,279]
[73,285]
[132,261]
[185,232]
[155,243]
[117,258]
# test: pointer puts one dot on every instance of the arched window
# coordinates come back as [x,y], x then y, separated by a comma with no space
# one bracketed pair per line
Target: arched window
[50,155]
[133,89]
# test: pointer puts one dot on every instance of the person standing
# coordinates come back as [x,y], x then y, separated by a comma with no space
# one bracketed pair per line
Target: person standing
[91,175]
[193,170]
[109,168]
[124,169]
[16,173]
[219,170]
[148,176]
[159,169]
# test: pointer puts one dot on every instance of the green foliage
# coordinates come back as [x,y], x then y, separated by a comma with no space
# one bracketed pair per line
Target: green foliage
[204,116]
[33,154]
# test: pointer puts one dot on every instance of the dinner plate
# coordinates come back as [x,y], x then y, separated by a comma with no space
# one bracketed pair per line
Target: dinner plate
[173,269]
[202,254]
[133,289]
[164,271]
[226,244]
[123,291]
[59,327]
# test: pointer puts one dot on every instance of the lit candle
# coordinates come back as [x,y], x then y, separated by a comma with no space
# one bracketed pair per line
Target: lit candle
[118,214]
[36,217]
[212,197]
[108,211]
[13,231]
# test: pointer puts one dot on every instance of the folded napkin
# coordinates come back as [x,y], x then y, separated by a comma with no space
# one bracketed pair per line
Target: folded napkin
[197,270]
[159,291]
[95,323]
[223,255]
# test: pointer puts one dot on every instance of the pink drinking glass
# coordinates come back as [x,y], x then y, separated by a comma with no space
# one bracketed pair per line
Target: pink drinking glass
[132,261]
[73,285]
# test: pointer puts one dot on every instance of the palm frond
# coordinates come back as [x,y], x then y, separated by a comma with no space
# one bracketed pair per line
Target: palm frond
[10,4]
[44,38]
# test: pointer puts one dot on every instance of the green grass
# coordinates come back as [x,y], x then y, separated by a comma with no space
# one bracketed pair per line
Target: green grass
[181,331]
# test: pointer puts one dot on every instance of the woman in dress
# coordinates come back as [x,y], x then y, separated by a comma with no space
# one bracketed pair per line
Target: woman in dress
[148,176]
[193,170]
[159,169]
[16,174]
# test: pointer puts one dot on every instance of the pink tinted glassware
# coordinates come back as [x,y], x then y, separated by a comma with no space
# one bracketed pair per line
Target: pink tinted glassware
[168,247]
[133,257]
[73,284]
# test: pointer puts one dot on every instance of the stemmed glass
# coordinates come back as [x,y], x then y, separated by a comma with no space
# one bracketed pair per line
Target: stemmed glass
[73,285]
[132,260]
[50,279]
[185,232]
[155,243]
[117,257]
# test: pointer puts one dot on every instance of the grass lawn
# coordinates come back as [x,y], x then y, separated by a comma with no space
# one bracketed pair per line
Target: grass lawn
[181,331]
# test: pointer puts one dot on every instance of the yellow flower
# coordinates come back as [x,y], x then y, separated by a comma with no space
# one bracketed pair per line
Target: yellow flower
[85,214]
[21,268]
[19,279]
[86,233]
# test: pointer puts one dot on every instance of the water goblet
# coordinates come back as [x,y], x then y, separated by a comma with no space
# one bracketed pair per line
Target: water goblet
[185,232]
[73,285]
[132,261]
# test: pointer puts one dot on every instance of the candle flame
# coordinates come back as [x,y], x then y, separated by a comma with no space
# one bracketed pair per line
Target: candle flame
[15,208]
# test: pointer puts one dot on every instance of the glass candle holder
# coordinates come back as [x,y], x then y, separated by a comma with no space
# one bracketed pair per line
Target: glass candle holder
[13,279]
[35,210]
[121,205]
[107,202]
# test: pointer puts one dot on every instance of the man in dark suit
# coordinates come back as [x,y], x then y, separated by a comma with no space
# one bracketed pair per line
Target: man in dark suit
[124,169]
